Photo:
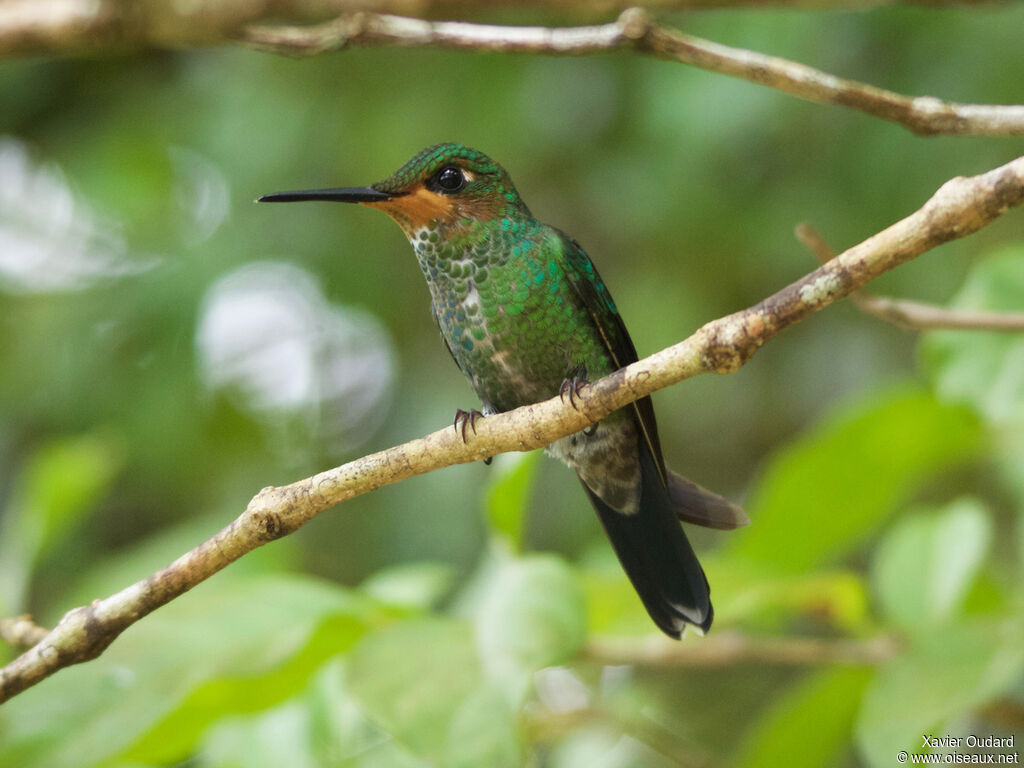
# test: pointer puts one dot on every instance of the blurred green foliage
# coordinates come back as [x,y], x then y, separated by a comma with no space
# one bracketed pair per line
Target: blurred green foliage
[167,348]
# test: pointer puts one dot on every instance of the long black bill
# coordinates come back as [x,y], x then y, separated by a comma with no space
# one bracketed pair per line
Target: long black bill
[339,195]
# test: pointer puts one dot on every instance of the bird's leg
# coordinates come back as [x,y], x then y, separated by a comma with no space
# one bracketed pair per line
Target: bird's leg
[464,418]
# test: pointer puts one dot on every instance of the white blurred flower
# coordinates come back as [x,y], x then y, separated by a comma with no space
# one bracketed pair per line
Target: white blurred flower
[267,335]
[201,193]
[49,241]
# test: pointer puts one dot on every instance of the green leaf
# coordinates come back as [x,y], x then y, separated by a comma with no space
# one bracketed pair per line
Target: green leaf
[824,494]
[226,646]
[810,724]
[421,681]
[321,727]
[984,370]
[509,493]
[925,566]
[60,483]
[175,735]
[941,676]
[749,593]
[612,604]
[530,615]
[414,585]
[483,731]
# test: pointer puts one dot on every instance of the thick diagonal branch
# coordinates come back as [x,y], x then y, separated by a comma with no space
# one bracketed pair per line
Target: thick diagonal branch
[961,206]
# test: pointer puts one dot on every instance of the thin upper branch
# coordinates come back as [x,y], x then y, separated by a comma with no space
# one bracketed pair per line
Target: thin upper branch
[62,27]
[81,26]
[961,206]
[635,30]
[914,315]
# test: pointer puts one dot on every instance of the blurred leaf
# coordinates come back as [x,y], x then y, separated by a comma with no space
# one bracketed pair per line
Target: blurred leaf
[613,606]
[176,734]
[748,593]
[223,647]
[421,681]
[941,676]
[59,484]
[825,493]
[416,585]
[484,731]
[811,723]
[531,615]
[984,370]
[279,737]
[925,566]
[320,727]
[509,494]
[743,591]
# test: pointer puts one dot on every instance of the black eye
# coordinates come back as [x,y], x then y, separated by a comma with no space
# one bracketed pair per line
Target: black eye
[450,179]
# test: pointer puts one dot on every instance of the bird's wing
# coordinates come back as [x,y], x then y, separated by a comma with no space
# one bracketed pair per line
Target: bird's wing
[594,296]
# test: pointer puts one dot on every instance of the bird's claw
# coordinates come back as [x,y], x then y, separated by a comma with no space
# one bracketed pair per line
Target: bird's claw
[464,419]
[572,385]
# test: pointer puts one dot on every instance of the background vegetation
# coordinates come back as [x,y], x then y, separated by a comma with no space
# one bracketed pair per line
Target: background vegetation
[167,348]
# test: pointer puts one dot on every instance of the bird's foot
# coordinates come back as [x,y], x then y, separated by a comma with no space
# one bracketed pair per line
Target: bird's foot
[571,385]
[465,419]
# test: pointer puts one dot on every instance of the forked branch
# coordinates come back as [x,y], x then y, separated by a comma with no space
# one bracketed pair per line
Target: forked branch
[914,315]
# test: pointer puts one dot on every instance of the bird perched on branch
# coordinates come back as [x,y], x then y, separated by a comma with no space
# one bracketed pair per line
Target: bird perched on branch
[526,316]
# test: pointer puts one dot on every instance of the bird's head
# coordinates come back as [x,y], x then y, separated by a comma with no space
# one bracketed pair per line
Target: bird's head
[447,186]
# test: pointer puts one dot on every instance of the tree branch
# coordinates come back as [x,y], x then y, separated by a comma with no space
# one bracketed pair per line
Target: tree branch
[961,206]
[21,631]
[35,27]
[635,30]
[728,648]
[30,27]
[914,315]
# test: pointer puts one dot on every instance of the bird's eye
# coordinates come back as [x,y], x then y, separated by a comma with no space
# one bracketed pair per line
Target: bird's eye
[450,180]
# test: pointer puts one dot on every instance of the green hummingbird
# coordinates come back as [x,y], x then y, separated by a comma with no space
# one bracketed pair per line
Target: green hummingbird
[526,317]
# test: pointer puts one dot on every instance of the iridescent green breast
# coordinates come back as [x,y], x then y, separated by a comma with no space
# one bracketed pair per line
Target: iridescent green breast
[507,310]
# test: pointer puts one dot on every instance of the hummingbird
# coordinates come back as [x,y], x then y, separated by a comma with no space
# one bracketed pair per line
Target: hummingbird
[526,317]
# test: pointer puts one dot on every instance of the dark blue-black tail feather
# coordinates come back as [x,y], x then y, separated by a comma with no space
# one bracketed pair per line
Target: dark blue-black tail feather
[657,556]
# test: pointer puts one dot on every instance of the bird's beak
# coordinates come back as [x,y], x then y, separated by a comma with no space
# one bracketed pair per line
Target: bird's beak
[339,195]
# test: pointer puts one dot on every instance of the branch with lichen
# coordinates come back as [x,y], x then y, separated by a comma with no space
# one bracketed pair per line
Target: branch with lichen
[960,207]
[33,27]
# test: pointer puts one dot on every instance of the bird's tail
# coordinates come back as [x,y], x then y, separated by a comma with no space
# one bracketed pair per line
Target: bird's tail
[697,505]
[656,554]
